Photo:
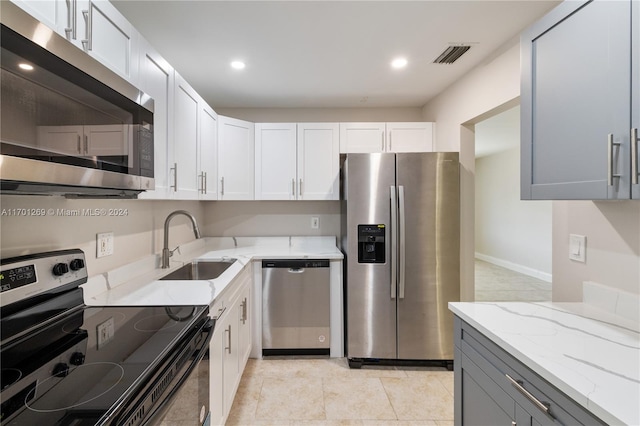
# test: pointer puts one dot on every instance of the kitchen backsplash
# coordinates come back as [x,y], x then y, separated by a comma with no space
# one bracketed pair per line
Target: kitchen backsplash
[31,224]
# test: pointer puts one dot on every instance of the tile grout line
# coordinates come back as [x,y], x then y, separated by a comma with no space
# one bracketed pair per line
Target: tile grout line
[395,413]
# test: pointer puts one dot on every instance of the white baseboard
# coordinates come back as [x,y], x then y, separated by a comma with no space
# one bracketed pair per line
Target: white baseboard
[541,275]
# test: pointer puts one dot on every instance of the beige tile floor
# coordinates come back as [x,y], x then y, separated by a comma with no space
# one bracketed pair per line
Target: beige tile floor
[497,284]
[324,391]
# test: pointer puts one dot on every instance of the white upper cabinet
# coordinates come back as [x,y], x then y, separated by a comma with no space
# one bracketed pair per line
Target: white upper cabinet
[386,137]
[362,137]
[297,161]
[276,176]
[318,161]
[157,81]
[108,37]
[94,26]
[410,137]
[236,158]
[53,13]
[186,129]
[208,153]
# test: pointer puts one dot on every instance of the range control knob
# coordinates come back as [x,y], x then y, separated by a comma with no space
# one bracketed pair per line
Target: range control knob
[77,358]
[76,264]
[60,269]
[61,370]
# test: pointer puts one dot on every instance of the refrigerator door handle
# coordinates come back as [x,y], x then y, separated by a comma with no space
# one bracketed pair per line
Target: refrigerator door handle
[401,241]
[394,242]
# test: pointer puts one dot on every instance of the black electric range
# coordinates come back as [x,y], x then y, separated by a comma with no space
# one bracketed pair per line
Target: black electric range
[64,363]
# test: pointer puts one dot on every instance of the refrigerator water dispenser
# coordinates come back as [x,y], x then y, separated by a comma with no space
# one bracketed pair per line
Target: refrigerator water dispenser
[371,243]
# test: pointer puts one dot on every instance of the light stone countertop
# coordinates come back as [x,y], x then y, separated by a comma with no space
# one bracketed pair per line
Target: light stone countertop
[138,283]
[588,353]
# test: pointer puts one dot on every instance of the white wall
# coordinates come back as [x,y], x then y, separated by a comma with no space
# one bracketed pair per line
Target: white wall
[491,88]
[612,229]
[271,218]
[509,232]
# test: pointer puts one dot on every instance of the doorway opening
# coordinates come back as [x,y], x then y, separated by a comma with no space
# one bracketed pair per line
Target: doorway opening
[512,237]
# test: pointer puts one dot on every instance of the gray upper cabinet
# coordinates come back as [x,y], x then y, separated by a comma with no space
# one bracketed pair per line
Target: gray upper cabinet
[577,111]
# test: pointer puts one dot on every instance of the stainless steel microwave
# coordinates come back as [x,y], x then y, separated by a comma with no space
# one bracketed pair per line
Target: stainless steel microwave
[69,125]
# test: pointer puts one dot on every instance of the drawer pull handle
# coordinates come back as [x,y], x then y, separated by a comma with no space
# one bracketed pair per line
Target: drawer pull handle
[544,407]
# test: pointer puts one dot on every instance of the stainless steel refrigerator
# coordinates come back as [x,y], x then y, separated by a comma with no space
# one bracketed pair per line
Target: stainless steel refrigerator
[401,238]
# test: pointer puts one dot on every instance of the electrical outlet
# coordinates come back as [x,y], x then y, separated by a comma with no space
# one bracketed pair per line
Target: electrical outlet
[104,244]
[106,331]
[315,222]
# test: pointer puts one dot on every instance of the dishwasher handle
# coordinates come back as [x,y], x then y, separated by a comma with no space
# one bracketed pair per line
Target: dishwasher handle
[296,270]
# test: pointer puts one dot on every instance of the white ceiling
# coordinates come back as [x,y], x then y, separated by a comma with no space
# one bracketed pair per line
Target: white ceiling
[319,54]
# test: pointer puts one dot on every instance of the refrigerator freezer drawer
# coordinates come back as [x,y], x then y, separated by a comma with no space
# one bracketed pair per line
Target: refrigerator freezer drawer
[295,304]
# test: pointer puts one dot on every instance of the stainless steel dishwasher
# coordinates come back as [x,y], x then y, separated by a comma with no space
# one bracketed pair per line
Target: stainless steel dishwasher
[295,307]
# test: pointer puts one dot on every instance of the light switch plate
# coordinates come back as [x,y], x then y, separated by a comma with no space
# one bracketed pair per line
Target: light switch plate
[315,222]
[577,248]
[104,244]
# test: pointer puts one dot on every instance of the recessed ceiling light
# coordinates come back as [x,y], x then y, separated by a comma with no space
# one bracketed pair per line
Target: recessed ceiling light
[238,65]
[25,67]
[399,63]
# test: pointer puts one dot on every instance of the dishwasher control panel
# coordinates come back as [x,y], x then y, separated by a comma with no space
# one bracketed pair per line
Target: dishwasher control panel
[296,263]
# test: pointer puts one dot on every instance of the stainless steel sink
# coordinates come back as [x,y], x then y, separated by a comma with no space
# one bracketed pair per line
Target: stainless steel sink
[200,270]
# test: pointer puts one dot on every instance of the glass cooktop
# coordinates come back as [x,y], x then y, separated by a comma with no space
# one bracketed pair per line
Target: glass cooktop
[78,369]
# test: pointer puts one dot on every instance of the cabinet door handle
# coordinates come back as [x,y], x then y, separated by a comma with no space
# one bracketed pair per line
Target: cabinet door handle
[222,185]
[518,384]
[175,177]
[383,141]
[244,311]
[228,347]
[300,189]
[86,144]
[201,177]
[205,182]
[634,156]
[390,143]
[69,29]
[610,159]
[87,43]
[293,188]
[79,145]
[74,20]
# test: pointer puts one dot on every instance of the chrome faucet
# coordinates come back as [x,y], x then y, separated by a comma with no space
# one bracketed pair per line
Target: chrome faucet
[166,253]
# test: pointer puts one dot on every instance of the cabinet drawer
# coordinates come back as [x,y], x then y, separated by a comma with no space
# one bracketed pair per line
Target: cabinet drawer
[499,365]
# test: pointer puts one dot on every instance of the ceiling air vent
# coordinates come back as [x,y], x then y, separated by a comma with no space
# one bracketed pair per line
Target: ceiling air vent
[451,54]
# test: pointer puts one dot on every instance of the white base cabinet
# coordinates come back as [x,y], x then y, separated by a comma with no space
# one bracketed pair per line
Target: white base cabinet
[230,345]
